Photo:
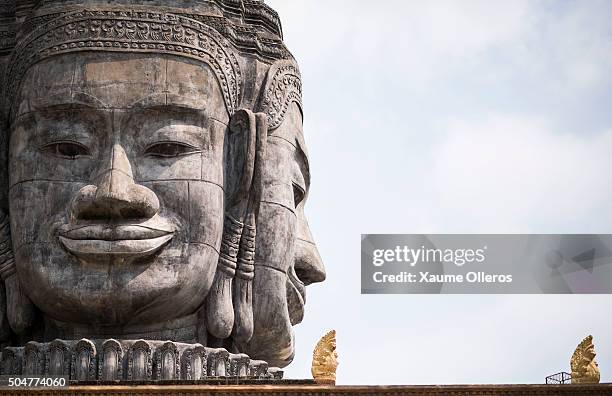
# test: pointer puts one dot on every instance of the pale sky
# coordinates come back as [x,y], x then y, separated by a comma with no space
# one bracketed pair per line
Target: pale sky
[452,117]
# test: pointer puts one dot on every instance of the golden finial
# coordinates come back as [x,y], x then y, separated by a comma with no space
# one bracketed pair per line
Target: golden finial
[325,359]
[584,367]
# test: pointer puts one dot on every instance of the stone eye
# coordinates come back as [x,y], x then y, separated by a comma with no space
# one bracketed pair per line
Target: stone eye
[298,194]
[170,149]
[66,149]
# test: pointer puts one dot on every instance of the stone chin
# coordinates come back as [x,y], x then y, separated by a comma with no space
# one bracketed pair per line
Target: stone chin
[151,292]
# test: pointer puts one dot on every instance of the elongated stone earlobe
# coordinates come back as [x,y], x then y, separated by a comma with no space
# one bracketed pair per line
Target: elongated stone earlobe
[219,308]
[241,154]
[229,305]
[243,287]
[243,283]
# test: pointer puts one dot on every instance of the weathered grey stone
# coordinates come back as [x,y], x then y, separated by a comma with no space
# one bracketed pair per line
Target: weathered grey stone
[130,360]
[34,358]
[140,361]
[167,364]
[218,362]
[84,362]
[58,359]
[258,368]
[194,362]
[239,365]
[275,373]
[110,361]
[12,360]
[152,187]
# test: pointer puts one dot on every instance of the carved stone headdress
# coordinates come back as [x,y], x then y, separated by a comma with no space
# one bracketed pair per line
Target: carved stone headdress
[236,38]
[214,31]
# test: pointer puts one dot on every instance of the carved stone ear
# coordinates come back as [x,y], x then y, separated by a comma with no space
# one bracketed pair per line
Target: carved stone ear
[244,156]
[240,156]
[245,270]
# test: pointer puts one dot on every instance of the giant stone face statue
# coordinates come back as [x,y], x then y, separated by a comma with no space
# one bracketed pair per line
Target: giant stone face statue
[116,189]
[156,175]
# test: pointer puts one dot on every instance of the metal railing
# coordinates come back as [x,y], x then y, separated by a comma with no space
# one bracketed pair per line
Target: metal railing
[559,378]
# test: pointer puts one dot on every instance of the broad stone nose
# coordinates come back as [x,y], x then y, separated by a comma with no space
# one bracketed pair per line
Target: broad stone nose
[115,194]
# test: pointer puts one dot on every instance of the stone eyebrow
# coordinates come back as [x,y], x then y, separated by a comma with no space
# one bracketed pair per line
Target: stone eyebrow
[60,106]
[179,107]
[77,100]
[170,102]
[175,109]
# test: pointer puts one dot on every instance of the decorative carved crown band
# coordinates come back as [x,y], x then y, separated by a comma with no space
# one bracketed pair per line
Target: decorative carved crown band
[283,87]
[121,30]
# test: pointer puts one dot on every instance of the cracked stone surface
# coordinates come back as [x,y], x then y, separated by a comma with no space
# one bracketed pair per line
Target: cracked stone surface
[152,188]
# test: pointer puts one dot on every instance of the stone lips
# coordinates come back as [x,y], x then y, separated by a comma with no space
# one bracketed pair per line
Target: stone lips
[130,360]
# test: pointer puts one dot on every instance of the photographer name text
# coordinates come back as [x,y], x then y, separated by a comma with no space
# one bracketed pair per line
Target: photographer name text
[412,257]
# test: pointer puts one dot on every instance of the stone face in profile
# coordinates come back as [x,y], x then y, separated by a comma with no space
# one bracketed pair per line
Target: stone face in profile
[155,184]
[284,242]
